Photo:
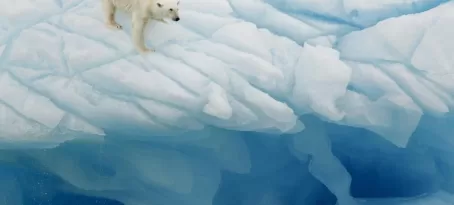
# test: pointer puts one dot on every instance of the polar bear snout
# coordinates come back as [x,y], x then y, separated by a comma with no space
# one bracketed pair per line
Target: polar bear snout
[174,15]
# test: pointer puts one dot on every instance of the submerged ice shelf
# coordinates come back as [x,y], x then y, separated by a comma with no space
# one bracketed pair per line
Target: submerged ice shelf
[245,102]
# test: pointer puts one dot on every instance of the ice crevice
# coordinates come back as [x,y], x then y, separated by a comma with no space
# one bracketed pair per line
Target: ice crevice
[280,102]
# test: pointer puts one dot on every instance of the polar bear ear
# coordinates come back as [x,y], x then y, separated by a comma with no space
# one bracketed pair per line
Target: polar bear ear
[159,5]
[178,3]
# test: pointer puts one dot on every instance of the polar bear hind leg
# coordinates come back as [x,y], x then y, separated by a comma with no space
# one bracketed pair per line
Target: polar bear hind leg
[109,14]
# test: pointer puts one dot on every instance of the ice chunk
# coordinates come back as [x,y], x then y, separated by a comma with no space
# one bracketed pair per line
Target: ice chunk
[322,80]
[217,105]
[323,165]
[29,103]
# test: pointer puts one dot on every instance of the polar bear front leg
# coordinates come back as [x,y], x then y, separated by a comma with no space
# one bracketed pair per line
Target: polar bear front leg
[138,28]
[163,21]
[109,14]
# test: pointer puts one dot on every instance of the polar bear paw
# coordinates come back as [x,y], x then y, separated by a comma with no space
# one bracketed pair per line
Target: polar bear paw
[114,25]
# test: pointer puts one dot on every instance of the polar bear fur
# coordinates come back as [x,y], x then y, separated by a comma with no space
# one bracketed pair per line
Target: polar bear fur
[142,11]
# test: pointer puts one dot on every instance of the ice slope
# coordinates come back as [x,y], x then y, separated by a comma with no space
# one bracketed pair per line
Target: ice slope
[245,102]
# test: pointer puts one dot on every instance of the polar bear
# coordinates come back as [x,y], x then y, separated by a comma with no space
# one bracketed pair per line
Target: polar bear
[142,11]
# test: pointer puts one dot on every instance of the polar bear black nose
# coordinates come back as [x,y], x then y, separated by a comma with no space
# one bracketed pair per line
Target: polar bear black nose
[177,18]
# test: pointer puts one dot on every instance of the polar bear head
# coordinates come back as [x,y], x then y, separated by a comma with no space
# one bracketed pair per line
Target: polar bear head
[168,9]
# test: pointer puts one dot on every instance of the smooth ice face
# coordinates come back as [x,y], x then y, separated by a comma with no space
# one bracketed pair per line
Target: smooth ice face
[245,102]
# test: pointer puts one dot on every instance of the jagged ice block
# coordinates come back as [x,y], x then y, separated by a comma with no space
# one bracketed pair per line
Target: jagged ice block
[269,102]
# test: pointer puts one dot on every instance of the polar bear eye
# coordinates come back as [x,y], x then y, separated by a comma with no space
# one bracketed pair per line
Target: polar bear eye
[170,9]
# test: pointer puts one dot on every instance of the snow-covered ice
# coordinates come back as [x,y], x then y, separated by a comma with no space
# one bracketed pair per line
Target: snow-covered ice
[245,102]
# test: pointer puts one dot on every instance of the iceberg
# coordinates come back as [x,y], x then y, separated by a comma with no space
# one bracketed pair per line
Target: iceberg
[245,102]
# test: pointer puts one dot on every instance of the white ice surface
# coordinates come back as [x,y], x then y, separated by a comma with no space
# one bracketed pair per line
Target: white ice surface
[169,122]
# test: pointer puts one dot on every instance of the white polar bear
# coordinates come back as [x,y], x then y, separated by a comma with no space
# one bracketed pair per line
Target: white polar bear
[142,11]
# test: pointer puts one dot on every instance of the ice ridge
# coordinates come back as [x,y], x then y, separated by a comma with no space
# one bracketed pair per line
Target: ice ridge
[244,102]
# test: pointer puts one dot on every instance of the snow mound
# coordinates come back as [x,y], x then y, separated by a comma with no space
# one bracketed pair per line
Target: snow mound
[244,102]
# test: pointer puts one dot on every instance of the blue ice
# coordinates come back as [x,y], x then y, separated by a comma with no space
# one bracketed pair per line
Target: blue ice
[245,102]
